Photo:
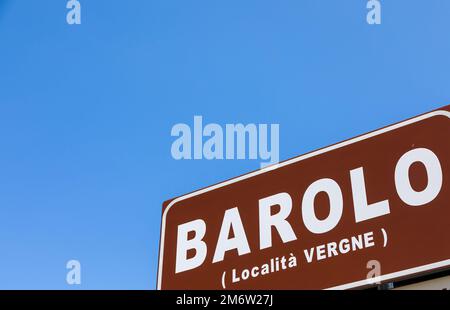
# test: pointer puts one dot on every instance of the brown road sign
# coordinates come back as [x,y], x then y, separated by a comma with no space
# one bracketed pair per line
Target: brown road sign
[372,208]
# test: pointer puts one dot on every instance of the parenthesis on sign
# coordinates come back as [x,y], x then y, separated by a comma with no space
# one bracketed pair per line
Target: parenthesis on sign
[385,237]
[223,280]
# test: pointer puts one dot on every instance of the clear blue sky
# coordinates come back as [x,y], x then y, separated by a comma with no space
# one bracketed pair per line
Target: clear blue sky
[86,111]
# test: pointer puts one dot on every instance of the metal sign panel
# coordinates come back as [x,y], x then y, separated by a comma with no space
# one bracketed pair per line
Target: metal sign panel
[319,220]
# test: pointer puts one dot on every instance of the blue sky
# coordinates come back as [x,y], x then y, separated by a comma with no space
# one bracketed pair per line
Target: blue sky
[86,111]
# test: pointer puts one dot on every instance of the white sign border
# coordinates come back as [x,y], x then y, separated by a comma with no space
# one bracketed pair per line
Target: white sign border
[300,158]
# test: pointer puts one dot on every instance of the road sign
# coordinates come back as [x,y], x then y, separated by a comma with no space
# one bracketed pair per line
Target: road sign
[372,208]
